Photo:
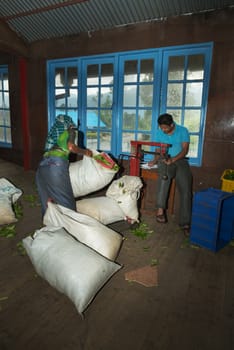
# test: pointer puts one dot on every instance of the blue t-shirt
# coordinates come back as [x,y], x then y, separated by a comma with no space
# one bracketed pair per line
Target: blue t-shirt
[180,134]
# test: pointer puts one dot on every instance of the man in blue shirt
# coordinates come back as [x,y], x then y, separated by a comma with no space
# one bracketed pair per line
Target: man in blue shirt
[174,166]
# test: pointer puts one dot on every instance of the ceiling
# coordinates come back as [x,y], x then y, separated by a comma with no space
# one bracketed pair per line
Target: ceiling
[34,20]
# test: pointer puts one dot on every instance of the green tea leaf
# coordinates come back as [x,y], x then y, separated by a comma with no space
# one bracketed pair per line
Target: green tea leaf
[8,231]
[141,231]
[18,209]
[20,248]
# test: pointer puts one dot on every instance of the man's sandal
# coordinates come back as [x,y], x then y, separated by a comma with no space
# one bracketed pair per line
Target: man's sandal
[161,219]
[186,230]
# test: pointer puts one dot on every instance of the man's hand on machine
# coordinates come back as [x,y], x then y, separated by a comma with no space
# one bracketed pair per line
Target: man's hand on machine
[152,163]
[168,161]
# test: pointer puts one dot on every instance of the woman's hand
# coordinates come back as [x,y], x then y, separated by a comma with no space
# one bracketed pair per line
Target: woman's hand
[88,153]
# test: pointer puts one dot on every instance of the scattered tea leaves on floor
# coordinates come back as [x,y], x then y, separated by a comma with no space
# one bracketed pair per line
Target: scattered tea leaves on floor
[18,210]
[154,262]
[142,231]
[186,244]
[3,298]
[31,199]
[146,249]
[8,231]
[20,248]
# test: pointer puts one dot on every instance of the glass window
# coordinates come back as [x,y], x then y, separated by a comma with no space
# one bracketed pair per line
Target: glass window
[117,97]
[5,116]
[186,99]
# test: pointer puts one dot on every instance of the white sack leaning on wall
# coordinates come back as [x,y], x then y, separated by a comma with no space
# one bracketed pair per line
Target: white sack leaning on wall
[86,229]
[9,194]
[92,173]
[126,192]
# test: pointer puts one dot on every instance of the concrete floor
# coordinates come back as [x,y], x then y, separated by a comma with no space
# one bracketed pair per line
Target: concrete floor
[192,307]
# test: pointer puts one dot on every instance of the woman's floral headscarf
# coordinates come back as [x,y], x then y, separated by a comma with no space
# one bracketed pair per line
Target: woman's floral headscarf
[62,123]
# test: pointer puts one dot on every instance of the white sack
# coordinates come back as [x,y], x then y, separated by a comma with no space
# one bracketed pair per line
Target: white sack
[7,215]
[126,192]
[68,265]
[104,209]
[88,175]
[86,229]
[9,194]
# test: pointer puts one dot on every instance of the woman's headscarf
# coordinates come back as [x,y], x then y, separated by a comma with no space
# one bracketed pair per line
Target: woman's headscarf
[62,123]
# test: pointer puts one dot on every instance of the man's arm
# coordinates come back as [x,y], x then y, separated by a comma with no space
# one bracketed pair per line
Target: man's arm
[181,155]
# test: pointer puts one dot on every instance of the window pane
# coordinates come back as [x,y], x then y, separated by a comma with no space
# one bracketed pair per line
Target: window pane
[174,95]
[92,119]
[107,74]
[5,81]
[72,100]
[144,137]
[60,100]
[8,135]
[73,113]
[7,118]
[146,95]
[92,74]
[130,71]
[126,138]
[129,119]
[176,68]
[92,97]
[6,103]
[59,77]
[91,137]
[129,96]
[2,118]
[2,136]
[193,147]
[195,67]
[147,70]
[60,111]
[145,120]
[105,140]
[176,114]
[192,120]
[106,119]
[193,94]
[72,76]
[60,103]
[106,97]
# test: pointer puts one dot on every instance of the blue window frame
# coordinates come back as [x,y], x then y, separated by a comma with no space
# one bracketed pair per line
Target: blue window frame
[185,81]
[5,117]
[116,98]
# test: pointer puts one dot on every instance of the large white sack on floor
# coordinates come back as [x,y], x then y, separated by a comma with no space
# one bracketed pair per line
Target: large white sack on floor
[126,192]
[68,265]
[88,175]
[9,194]
[86,229]
[104,209]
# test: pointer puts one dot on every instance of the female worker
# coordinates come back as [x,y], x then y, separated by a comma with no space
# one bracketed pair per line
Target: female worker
[52,176]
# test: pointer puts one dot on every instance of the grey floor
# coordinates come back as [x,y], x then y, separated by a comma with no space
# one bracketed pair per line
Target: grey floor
[192,307]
